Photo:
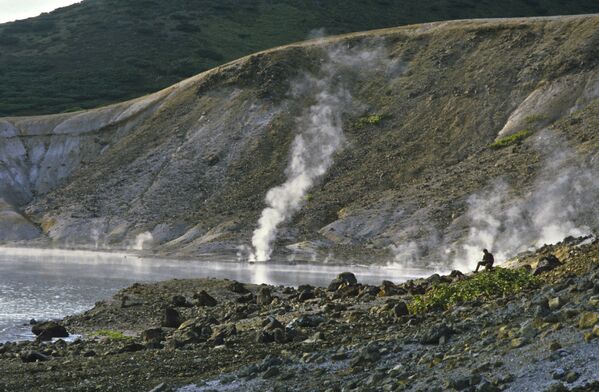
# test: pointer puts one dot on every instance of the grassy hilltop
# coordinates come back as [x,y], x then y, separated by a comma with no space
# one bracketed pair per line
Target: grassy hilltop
[104,51]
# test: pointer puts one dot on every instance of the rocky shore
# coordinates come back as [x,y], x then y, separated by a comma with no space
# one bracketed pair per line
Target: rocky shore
[531,327]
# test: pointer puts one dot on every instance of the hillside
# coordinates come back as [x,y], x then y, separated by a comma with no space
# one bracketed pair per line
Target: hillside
[457,136]
[105,51]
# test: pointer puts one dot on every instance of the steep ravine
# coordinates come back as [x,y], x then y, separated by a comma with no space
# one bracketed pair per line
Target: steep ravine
[192,164]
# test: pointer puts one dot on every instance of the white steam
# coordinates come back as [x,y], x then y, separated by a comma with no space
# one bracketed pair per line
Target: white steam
[143,239]
[562,203]
[320,135]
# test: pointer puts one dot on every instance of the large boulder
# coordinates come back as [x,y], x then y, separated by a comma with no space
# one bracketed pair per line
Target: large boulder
[171,318]
[48,330]
[547,263]
[264,296]
[204,299]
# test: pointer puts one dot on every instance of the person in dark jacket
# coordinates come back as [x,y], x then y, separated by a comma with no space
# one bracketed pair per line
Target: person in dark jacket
[486,262]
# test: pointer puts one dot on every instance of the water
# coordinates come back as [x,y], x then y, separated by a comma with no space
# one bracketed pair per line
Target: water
[49,284]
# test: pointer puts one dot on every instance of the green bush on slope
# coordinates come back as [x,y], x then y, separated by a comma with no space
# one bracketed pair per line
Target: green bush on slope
[511,139]
[484,285]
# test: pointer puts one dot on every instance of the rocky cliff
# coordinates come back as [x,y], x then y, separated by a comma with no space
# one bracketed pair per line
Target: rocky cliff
[451,115]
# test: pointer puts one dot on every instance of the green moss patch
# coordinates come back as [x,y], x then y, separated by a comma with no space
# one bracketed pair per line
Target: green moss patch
[485,285]
[114,335]
[372,119]
[511,139]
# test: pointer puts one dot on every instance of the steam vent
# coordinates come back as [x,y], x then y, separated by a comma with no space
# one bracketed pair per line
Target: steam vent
[306,217]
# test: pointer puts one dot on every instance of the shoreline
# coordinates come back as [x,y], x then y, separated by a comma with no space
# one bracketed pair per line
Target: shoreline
[222,335]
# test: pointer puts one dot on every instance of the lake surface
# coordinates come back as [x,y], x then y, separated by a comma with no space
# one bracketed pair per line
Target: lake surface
[49,284]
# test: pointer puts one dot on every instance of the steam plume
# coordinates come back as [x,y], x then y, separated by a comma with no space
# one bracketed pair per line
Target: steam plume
[320,135]
[562,202]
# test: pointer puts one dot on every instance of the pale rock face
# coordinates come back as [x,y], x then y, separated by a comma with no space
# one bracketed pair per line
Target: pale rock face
[38,153]
[552,101]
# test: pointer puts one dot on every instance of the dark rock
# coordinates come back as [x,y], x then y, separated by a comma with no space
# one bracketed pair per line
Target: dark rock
[131,347]
[88,353]
[400,309]
[264,297]
[547,263]
[271,323]
[152,335]
[130,301]
[264,337]
[49,330]
[280,336]
[457,275]
[180,301]
[335,284]
[435,334]
[33,356]
[368,354]
[227,330]
[308,320]
[348,278]
[171,318]
[238,288]
[306,295]
[347,292]
[204,299]
[247,298]
[271,372]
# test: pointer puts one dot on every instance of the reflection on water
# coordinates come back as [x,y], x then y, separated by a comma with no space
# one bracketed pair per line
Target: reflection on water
[45,284]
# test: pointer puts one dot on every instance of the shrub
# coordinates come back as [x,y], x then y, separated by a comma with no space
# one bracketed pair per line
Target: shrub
[372,119]
[485,285]
[511,139]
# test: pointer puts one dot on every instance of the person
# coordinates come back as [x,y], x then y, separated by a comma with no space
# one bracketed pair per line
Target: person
[486,262]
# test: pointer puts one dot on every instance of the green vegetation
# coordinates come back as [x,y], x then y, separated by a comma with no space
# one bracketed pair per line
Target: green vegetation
[373,119]
[534,118]
[511,139]
[104,51]
[114,335]
[485,285]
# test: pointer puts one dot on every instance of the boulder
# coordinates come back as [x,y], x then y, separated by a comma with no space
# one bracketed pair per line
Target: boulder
[204,299]
[33,356]
[264,297]
[238,288]
[48,330]
[547,263]
[154,335]
[180,301]
[171,318]
[271,323]
[435,334]
[401,309]
[348,278]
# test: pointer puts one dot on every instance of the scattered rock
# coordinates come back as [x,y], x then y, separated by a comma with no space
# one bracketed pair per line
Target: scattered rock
[347,278]
[204,299]
[238,288]
[180,301]
[48,330]
[546,264]
[588,320]
[152,335]
[33,356]
[171,318]
[264,296]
